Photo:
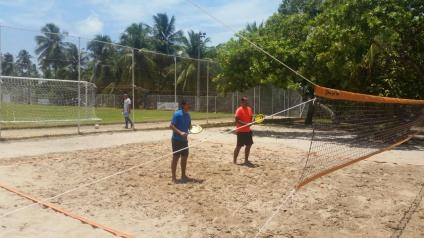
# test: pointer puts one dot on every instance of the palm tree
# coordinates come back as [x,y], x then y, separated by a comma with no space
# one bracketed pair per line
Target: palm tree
[102,65]
[137,36]
[166,37]
[23,63]
[194,47]
[50,49]
[73,60]
[8,65]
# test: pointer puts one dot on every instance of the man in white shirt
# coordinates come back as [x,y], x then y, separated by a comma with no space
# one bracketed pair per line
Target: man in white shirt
[126,111]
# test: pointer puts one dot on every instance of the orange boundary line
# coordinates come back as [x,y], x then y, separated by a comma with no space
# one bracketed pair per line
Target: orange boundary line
[66,213]
[330,170]
[359,97]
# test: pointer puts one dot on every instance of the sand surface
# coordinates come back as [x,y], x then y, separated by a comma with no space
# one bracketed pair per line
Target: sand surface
[373,198]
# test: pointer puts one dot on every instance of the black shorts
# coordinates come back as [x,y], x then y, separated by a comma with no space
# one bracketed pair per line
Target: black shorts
[179,146]
[244,138]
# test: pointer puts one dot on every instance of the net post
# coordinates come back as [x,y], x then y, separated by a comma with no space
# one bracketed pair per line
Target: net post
[175,80]
[86,98]
[133,86]
[1,74]
[215,104]
[207,92]
[254,100]
[79,87]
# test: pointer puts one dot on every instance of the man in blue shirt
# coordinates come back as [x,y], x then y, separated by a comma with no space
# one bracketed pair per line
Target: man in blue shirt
[180,126]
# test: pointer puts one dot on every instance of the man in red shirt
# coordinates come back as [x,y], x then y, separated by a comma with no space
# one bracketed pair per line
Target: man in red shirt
[244,116]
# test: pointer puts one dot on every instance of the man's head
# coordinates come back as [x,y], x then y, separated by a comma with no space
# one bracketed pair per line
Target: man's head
[244,102]
[185,106]
[125,96]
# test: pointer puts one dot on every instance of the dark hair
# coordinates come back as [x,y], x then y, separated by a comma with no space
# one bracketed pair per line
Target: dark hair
[183,102]
[244,98]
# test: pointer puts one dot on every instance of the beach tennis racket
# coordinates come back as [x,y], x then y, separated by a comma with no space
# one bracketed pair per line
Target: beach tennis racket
[195,129]
[259,118]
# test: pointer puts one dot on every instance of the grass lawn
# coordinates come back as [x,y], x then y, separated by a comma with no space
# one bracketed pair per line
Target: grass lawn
[114,115]
[26,112]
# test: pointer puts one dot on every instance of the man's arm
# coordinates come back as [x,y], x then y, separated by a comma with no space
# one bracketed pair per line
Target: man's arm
[176,130]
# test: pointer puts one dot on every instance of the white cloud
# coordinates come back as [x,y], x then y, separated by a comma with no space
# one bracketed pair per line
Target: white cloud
[89,26]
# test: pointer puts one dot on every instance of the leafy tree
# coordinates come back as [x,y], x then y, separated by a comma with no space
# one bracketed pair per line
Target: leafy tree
[103,64]
[50,49]
[8,65]
[195,47]
[24,63]
[137,36]
[167,38]
[363,46]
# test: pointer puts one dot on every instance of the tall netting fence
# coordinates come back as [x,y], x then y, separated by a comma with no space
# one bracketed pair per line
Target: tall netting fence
[103,71]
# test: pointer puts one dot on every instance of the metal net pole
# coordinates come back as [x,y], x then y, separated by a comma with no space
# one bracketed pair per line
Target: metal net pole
[175,81]
[133,86]
[1,73]
[207,92]
[79,87]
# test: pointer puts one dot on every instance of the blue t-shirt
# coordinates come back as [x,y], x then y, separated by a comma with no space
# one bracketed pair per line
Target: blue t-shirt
[181,120]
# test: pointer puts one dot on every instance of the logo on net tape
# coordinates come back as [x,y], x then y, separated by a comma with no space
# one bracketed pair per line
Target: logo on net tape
[333,93]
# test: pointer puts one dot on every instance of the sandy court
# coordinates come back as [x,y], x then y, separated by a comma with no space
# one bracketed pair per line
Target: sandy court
[369,199]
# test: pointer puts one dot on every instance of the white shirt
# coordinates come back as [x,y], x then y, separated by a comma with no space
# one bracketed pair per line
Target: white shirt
[127,103]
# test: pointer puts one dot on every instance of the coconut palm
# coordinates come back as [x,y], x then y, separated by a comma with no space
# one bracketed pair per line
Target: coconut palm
[164,33]
[8,65]
[50,49]
[23,63]
[103,65]
[73,60]
[195,47]
[137,36]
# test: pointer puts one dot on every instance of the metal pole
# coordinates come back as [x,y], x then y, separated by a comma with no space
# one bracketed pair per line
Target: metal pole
[254,100]
[86,99]
[175,82]
[215,104]
[1,73]
[79,86]
[207,92]
[133,87]
[259,100]
[272,100]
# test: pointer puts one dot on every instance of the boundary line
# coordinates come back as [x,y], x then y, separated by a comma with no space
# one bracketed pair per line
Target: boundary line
[66,213]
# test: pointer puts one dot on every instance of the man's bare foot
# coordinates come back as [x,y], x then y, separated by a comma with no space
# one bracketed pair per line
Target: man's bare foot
[234,161]
[174,180]
[185,178]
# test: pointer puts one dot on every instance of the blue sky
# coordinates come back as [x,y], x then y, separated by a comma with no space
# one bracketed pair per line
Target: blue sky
[89,17]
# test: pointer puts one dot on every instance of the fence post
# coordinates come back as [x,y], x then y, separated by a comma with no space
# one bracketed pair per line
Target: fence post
[133,87]
[1,74]
[254,100]
[79,86]
[207,92]
[272,99]
[215,104]
[175,81]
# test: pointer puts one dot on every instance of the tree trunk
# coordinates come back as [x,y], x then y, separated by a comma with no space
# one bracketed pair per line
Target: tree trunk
[310,114]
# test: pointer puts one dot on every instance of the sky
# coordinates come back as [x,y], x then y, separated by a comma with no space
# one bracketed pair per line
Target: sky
[87,18]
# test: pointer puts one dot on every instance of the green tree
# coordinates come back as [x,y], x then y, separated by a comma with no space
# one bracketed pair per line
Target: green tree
[167,38]
[24,64]
[194,47]
[103,64]
[137,36]
[50,50]
[8,65]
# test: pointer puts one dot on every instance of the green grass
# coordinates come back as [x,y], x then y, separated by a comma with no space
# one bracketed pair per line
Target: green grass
[113,115]
[106,114]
